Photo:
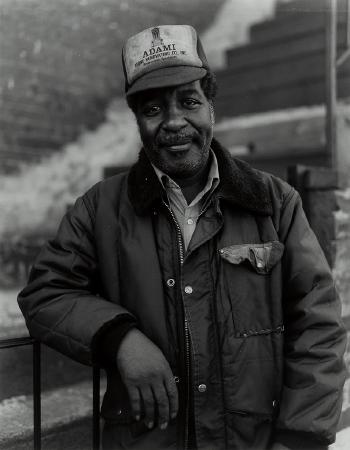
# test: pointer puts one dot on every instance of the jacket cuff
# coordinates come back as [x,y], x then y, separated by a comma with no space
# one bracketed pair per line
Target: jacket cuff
[299,440]
[106,342]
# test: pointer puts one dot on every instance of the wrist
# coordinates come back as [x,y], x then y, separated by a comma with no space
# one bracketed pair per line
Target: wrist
[109,340]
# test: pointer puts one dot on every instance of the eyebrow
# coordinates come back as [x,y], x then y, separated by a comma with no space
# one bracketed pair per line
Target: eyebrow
[149,97]
[189,91]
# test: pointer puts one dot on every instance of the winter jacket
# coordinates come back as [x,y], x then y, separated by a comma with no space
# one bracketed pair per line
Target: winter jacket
[253,298]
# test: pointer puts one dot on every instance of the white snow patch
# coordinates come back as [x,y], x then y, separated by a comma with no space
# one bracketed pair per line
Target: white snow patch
[11,319]
[345,194]
[230,27]
[269,117]
[342,441]
[341,216]
[36,198]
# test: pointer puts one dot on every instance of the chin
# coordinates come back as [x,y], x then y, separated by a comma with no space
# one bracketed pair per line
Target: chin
[185,171]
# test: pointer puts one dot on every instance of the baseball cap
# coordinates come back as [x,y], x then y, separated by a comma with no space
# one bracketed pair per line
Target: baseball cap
[164,55]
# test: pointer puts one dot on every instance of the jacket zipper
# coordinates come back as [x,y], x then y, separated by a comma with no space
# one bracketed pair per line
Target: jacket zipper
[187,331]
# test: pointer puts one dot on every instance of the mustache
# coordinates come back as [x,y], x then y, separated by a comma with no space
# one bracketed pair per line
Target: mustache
[174,139]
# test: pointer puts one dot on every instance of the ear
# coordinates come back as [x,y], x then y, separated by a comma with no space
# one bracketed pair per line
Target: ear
[212,112]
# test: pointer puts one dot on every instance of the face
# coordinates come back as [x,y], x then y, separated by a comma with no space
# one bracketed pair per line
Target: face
[176,128]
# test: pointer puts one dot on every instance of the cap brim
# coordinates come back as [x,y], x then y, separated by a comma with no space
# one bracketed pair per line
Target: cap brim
[167,76]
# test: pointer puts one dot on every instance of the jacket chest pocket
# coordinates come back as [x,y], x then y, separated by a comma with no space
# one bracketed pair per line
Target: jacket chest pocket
[251,287]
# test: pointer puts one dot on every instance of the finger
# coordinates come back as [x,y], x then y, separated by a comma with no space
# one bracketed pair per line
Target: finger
[148,405]
[173,396]
[135,401]
[162,402]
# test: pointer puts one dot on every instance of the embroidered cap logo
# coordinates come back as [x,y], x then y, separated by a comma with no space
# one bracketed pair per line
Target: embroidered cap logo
[157,40]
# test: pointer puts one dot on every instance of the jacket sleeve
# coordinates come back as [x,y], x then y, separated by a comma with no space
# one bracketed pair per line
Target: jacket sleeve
[61,302]
[315,338]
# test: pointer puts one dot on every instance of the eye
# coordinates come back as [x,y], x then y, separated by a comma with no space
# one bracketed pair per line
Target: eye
[151,110]
[191,103]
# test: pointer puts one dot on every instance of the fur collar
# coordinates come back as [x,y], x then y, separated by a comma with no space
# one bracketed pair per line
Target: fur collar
[240,184]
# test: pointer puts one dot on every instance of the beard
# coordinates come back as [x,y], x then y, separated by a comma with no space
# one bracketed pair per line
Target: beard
[182,164]
[179,164]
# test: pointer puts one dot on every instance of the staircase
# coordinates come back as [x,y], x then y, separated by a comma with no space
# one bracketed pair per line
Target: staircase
[283,65]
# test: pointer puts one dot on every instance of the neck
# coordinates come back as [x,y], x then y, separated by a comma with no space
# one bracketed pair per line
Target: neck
[192,186]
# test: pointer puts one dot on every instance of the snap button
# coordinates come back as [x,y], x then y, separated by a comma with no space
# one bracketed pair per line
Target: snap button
[259,264]
[190,221]
[188,289]
[176,379]
[119,412]
[202,388]
[170,282]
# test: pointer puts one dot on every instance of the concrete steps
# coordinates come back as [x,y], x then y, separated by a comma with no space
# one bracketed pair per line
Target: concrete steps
[74,436]
[66,391]
[66,419]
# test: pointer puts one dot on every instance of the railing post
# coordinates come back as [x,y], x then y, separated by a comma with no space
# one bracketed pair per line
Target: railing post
[96,408]
[37,394]
[18,342]
[331,81]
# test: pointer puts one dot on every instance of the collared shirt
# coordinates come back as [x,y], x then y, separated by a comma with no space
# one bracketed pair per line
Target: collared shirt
[187,214]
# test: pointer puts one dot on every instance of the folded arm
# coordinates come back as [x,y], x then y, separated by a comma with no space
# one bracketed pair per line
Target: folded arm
[61,303]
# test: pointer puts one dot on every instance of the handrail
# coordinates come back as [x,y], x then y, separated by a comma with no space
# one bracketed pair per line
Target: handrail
[22,341]
[16,342]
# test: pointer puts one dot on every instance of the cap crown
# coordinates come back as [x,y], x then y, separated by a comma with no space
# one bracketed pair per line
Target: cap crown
[160,47]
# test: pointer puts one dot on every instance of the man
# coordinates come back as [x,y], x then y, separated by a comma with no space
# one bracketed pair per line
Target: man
[194,280]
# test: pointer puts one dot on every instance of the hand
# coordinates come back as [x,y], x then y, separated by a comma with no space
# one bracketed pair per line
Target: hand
[148,378]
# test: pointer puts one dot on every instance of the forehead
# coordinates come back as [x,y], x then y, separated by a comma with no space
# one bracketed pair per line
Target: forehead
[189,88]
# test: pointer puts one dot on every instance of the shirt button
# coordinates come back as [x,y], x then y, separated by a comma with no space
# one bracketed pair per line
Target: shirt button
[119,412]
[259,264]
[170,282]
[188,289]
[202,388]
[190,221]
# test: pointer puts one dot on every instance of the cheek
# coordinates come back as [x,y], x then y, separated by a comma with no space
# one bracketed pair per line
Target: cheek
[147,133]
[207,129]
[205,122]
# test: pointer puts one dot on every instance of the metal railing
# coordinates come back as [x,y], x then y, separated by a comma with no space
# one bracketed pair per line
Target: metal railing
[22,341]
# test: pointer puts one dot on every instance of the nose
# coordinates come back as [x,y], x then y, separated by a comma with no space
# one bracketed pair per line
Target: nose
[174,119]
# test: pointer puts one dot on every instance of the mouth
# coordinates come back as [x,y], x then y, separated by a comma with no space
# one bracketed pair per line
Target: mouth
[176,145]
[179,147]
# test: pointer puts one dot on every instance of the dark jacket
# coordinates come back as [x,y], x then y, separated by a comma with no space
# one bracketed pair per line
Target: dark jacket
[263,315]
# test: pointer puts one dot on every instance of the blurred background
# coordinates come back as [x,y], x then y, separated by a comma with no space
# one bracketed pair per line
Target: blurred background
[283,105]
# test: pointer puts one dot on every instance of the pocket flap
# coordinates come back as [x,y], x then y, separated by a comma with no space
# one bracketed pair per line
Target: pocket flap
[262,257]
